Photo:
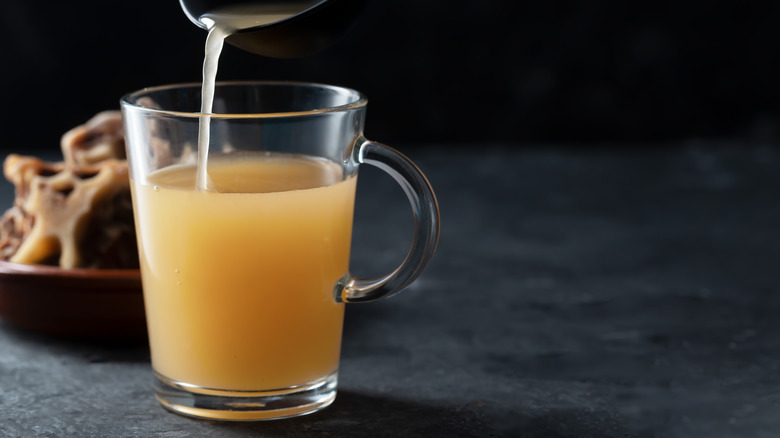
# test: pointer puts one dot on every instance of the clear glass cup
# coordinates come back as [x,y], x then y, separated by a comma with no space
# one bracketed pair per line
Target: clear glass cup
[245,271]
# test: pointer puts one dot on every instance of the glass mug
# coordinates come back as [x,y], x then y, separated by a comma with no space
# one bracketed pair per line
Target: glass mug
[245,281]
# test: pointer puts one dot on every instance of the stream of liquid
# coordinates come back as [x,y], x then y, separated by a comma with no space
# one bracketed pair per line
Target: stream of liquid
[221,23]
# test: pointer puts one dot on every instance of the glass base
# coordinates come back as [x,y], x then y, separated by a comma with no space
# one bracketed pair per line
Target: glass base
[195,401]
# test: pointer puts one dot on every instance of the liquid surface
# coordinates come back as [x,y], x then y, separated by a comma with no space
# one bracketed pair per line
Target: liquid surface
[245,16]
[239,284]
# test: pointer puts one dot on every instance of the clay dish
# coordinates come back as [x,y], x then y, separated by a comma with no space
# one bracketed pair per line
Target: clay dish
[79,303]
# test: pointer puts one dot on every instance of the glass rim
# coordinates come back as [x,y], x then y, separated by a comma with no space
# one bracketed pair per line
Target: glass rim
[129,100]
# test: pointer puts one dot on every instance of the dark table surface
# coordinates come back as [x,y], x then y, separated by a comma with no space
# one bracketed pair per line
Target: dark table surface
[614,292]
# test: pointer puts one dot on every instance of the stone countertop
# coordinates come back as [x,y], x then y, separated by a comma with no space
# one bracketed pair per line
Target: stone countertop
[575,293]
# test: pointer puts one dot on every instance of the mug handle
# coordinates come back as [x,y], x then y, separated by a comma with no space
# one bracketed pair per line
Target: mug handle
[426,226]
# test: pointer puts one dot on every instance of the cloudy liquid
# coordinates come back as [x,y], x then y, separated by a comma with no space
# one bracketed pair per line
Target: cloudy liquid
[221,23]
[238,281]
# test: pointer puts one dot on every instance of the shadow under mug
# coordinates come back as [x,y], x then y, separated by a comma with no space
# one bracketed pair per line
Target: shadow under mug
[245,268]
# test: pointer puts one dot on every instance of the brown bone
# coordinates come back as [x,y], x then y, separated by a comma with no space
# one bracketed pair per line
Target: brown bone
[60,205]
[75,213]
[101,138]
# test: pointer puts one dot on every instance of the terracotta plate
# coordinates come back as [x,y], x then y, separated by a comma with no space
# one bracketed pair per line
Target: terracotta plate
[83,303]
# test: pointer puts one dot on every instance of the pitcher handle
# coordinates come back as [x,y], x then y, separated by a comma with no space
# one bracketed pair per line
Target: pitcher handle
[426,226]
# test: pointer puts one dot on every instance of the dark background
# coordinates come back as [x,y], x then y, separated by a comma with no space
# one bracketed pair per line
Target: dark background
[436,72]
